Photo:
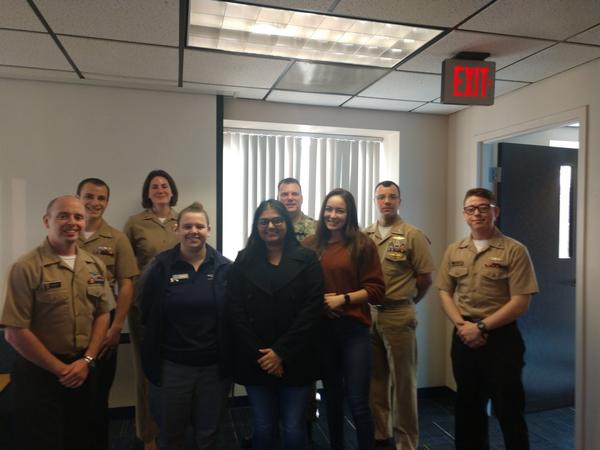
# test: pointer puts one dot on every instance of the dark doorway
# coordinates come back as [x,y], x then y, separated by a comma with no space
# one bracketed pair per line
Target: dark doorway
[529,196]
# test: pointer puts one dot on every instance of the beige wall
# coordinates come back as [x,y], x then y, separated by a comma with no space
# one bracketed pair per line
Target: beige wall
[52,135]
[422,178]
[574,94]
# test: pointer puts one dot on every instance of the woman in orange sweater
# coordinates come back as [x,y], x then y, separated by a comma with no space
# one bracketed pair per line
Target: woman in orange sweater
[353,279]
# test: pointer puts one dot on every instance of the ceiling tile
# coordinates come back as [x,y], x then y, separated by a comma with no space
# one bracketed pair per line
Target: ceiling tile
[231,70]
[382,104]
[227,91]
[147,21]
[307,98]
[504,50]
[301,5]
[442,13]
[406,86]
[439,108]
[18,14]
[22,48]
[328,78]
[37,74]
[549,19]
[122,59]
[548,62]
[591,36]
[504,87]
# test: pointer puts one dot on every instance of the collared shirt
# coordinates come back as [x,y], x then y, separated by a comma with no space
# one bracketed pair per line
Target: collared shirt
[404,254]
[485,281]
[304,227]
[149,236]
[190,313]
[56,303]
[113,248]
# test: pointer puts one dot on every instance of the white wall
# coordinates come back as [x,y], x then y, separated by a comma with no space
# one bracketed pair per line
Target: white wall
[572,94]
[422,179]
[52,135]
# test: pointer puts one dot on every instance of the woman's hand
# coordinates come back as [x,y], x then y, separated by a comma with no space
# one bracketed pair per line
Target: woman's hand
[270,362]
[334,302]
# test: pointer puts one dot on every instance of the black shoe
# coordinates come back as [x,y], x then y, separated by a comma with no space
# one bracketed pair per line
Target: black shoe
[382,443]
[246,442]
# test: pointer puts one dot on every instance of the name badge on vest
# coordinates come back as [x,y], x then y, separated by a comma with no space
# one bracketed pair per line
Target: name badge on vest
[177,277]
[396,249]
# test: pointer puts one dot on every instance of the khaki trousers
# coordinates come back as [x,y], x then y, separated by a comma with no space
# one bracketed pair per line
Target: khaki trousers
[393,390]
[145,427]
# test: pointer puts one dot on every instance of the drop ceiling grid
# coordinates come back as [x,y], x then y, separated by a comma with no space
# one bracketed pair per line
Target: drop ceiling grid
[504,50]
[122,59]
[537,18]
[17,15]
[141,21]
[223,68]
[29,49]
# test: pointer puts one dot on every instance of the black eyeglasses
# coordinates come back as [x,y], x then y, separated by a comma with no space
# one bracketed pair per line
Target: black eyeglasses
[276,221]
[484,208]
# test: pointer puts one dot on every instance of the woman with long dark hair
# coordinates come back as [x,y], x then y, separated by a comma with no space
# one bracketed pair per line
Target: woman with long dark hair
[353,279]
[274,301]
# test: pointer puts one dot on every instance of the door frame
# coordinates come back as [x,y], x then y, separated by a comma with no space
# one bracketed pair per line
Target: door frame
[552,121]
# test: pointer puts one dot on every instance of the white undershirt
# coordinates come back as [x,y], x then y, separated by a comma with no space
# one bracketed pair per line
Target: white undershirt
[162,219]
[481,245]
[88,234]
[384,231]
[69,260]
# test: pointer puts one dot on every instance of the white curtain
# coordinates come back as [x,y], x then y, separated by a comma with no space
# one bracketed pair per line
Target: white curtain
[255,161]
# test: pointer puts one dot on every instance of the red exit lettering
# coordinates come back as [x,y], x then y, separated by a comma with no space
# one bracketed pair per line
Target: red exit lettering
[471,81]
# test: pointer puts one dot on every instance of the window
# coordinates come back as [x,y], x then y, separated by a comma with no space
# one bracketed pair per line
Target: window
[255,161]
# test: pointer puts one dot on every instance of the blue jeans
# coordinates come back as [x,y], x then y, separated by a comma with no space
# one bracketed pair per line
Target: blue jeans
[273,403]
[346,371]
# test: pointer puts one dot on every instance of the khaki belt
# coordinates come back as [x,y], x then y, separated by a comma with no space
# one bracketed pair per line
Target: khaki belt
[392,304]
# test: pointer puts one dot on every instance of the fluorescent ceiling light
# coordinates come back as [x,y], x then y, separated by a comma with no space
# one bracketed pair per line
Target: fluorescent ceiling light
[235,27]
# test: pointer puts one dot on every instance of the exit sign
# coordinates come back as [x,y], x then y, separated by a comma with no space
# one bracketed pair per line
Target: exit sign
[468,82]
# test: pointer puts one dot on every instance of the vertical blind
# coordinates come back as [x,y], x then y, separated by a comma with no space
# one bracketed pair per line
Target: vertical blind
[255,161]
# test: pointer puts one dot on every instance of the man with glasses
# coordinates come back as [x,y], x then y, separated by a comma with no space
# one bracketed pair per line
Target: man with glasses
[493,278]
[407,266]
[289,193]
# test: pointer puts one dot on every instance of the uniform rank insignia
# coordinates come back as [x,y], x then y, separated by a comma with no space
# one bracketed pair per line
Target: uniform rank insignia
[210,276]
[96,278]
[105,250]
[457,263]
[396,249]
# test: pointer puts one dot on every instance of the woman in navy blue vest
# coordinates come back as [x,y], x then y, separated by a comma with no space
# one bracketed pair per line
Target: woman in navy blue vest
[274,302]
[185,352]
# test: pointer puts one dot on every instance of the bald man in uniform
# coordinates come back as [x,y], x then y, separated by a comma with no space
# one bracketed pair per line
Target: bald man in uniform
[493,278]
[407,264]
[113,248]
[55,317]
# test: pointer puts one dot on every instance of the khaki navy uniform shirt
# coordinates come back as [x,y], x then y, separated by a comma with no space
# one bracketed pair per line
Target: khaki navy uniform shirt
[404,254]
[304,227]
[485,281]
[149,236]
[57,304]
[113,248]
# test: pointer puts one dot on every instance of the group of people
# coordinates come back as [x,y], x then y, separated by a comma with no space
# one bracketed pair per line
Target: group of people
[304,300]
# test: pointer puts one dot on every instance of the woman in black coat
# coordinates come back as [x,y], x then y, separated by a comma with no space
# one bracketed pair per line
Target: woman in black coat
[274,302]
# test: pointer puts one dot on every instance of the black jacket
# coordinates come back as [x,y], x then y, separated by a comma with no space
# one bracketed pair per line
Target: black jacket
[153,283]
[282,313]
